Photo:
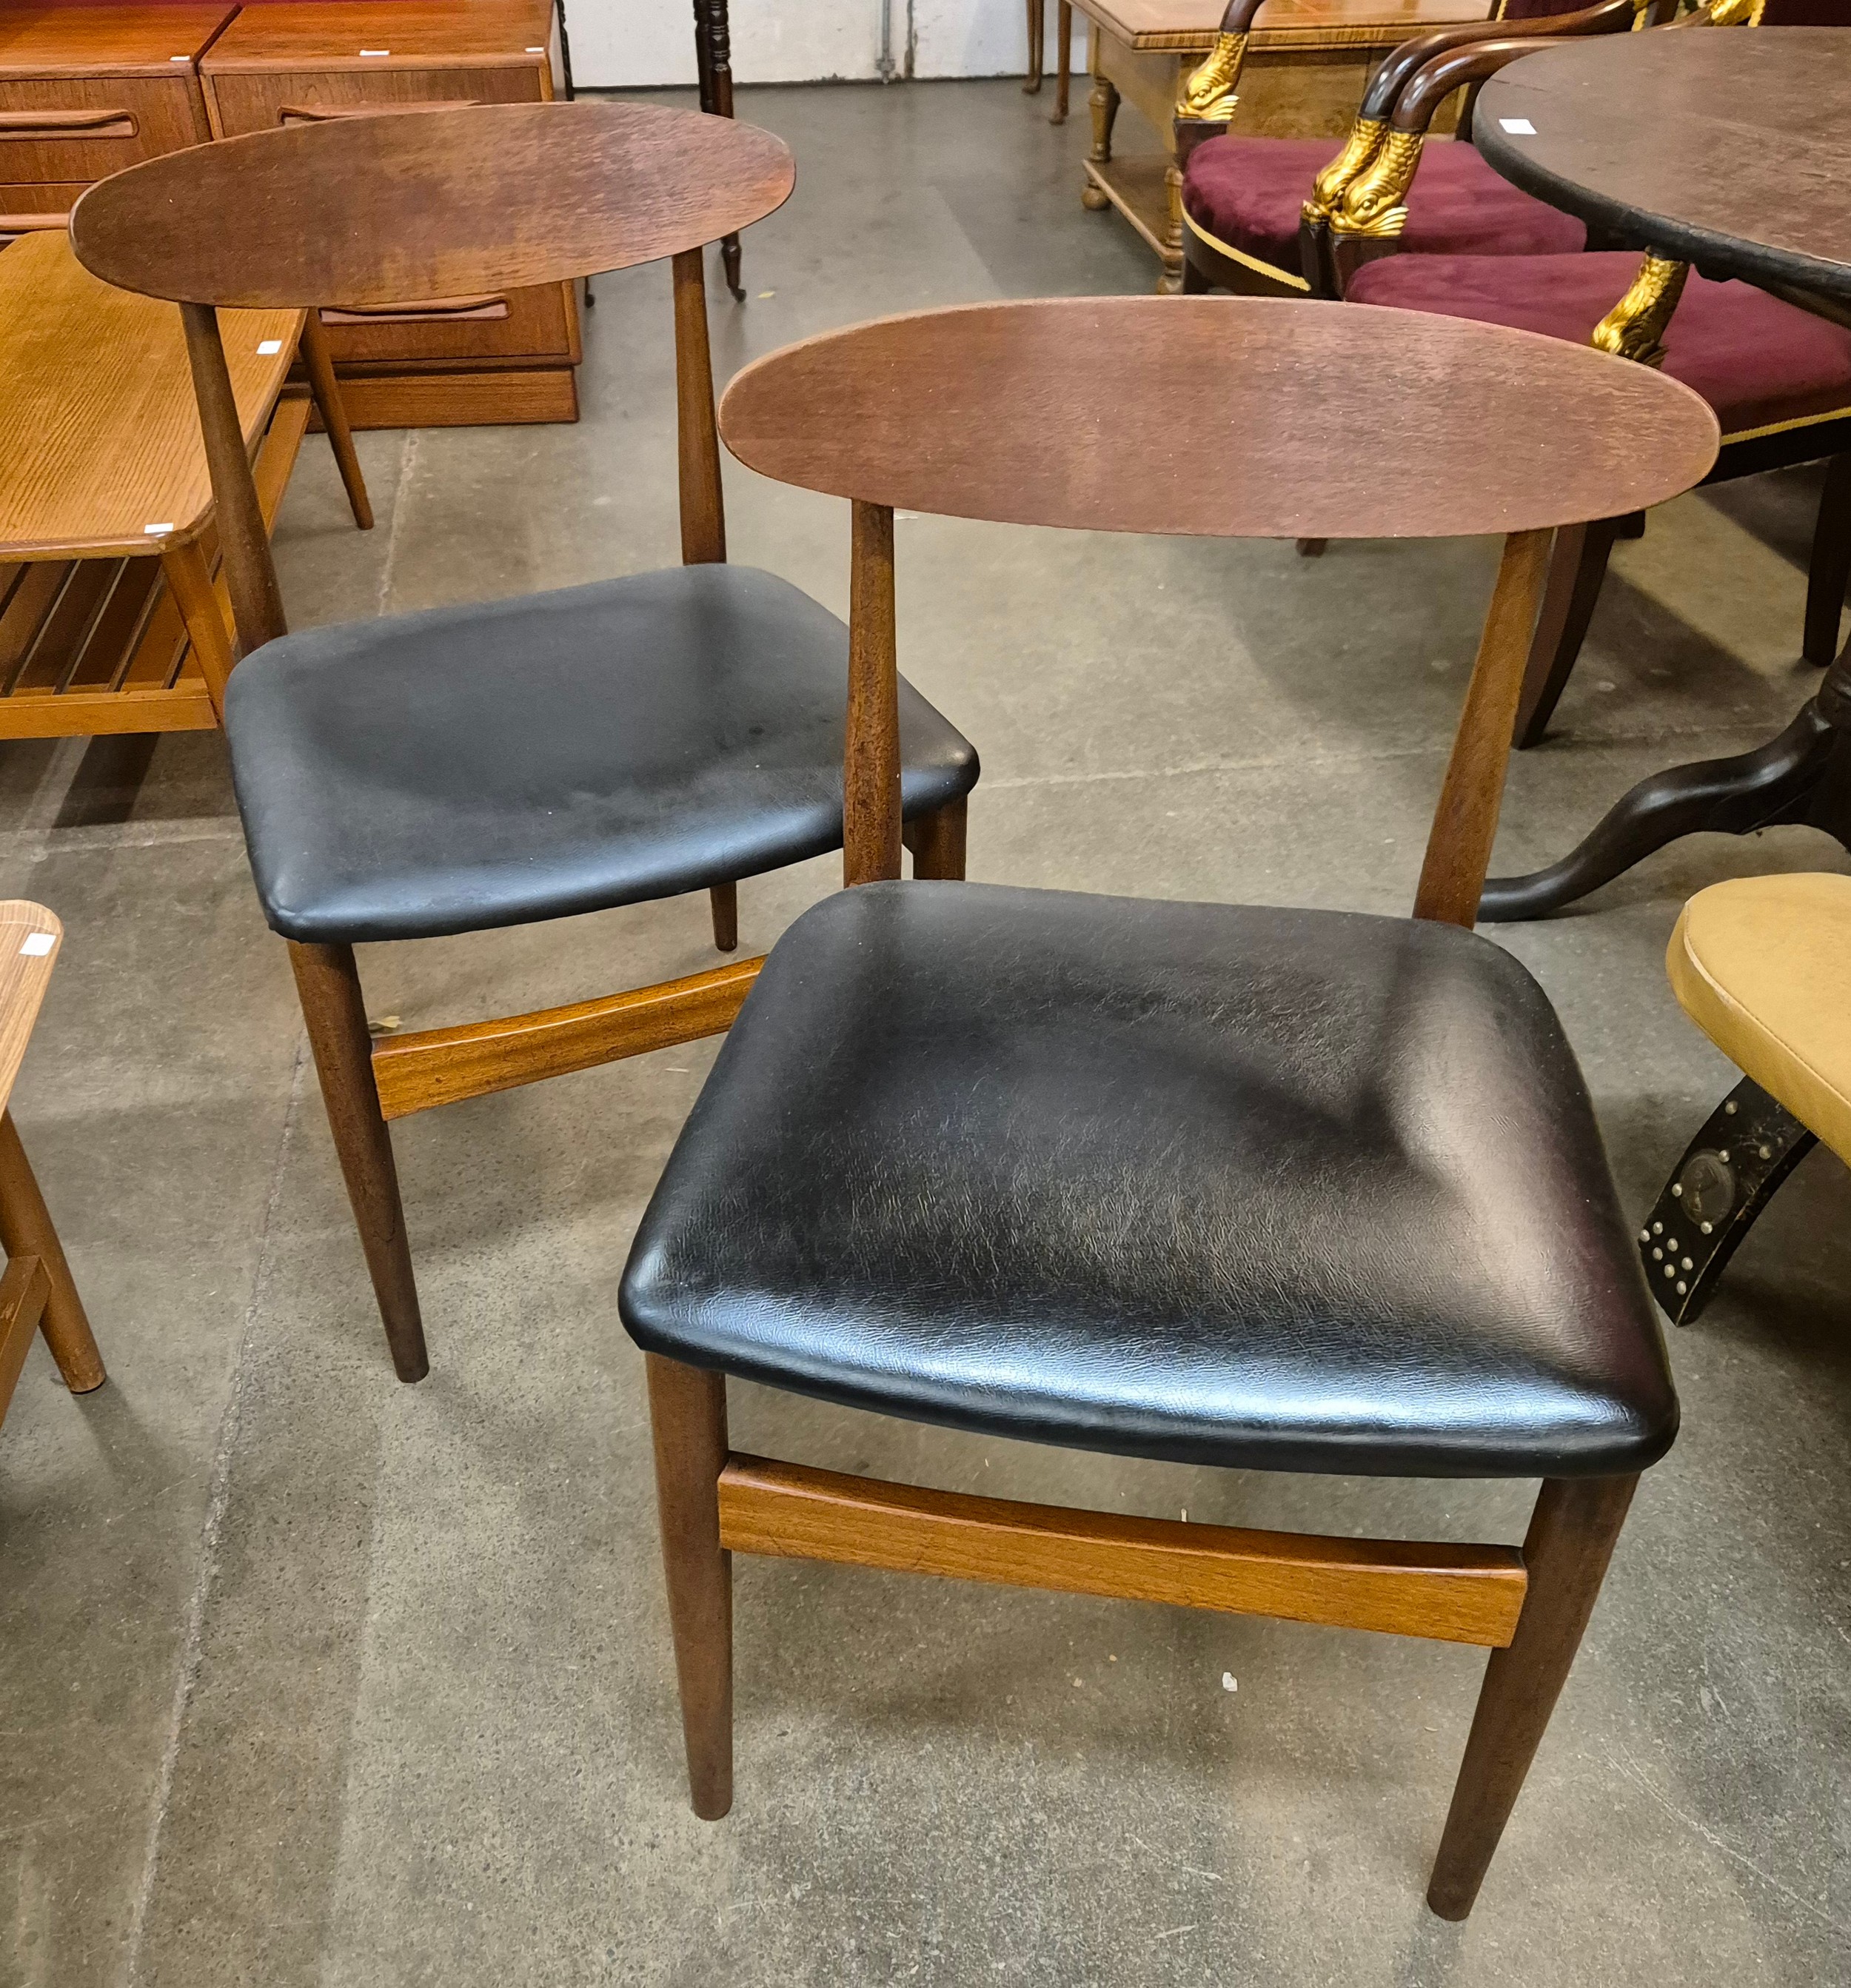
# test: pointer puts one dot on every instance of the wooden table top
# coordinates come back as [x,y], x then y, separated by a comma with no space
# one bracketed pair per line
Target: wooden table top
[1739,165]
[1185,26]
[99,440]
[29,938]
[106,41]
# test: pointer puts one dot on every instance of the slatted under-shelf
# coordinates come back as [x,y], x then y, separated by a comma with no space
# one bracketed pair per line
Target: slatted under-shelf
[98,645]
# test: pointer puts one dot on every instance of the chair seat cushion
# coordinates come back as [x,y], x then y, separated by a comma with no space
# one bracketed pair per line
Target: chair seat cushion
[1245,194]
[499,764]
[1762,965]
[1283,1189]
[1759,363]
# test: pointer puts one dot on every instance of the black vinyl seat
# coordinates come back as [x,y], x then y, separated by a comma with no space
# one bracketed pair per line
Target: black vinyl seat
[1273,1188]
[504,762]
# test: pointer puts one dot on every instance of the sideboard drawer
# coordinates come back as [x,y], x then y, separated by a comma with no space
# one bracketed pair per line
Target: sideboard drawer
[77,129]
[246,100]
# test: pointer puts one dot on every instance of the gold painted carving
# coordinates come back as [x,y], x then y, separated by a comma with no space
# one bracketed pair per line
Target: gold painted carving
[1329,187]
[1635,327]
[1376,202]
[1738,13]
[1209,91]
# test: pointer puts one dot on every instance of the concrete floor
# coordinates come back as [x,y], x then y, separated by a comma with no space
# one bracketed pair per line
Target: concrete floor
[312,1678]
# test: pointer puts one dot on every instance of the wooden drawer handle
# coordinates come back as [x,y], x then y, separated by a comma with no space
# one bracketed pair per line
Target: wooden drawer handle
[68,124]
[438,310]
[320,113]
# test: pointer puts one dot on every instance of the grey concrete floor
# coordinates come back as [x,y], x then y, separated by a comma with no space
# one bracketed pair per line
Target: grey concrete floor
[309,1677]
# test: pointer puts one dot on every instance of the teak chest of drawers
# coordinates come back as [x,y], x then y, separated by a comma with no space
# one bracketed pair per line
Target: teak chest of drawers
[436,361]
[85,91]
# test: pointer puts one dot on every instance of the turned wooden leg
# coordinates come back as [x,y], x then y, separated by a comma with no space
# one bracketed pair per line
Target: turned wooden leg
[1063,61]
[1037,17]
[1103,104]
[329,985]
[26,1230]
[937,842]
[320,362]
[1830,571]
[1170,283]
[1577,566]
[725,898]
[1571,1539]
[191,587]
[687,1413]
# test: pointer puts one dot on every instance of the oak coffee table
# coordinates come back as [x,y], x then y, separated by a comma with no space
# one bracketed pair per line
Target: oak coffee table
[110,620]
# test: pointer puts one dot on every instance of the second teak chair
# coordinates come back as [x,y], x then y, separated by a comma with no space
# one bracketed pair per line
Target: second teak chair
[512,761]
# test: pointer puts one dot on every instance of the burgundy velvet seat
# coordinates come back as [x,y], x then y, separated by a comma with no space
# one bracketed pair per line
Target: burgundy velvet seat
[1243,196]
[1759,363]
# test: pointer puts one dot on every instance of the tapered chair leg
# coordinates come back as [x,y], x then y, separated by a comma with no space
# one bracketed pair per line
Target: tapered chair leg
[724,901]
[937,842]
[1577,567]
[329,985]
[687,1413]
[1571,1539]
[26,1230]
[1830,570]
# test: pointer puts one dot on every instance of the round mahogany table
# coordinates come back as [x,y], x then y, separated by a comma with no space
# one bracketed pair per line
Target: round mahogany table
[1726,148]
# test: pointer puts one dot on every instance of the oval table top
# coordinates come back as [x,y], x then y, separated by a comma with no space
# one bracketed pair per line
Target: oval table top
[1722,147]
[1235,417]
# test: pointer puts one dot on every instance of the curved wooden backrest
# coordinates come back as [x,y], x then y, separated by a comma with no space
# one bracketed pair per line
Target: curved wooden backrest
[1240,417]
[361,211]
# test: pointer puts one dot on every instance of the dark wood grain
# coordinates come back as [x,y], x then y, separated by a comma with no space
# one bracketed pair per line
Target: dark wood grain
[871,774]
[370,211]
[257,602]
[328,984]
[1570,1541]
[1465,821]
[1325,420]
[688,1417]
[1739,167]
[696,440]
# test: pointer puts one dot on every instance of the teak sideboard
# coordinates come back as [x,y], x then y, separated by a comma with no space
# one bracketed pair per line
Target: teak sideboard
[87,90]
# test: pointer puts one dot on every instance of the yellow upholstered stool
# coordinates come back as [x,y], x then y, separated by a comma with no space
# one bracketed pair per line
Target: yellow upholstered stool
[1762,965]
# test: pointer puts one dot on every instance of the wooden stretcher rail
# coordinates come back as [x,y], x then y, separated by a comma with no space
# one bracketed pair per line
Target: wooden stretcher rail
[414,1072]
[1450,1594]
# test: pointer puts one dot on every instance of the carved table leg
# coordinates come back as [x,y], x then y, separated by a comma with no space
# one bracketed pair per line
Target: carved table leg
[1803,776]
[1104,103]
[713,47]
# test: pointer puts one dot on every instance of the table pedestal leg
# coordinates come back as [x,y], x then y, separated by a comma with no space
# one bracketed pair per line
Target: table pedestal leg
[1803,776]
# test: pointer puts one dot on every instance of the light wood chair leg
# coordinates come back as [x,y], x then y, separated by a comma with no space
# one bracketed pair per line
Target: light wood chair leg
[687,1415]
[937,841]
[724,899]
[1037,15]
[319,362]
[191,585]
[328,984]
[1571,1539]
[26,1230]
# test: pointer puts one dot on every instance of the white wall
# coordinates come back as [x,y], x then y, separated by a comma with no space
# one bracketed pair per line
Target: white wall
[635,44]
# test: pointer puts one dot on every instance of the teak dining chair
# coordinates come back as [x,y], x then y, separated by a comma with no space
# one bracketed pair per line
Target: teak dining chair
[1269,1189]
[37,1293]
[513,761]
